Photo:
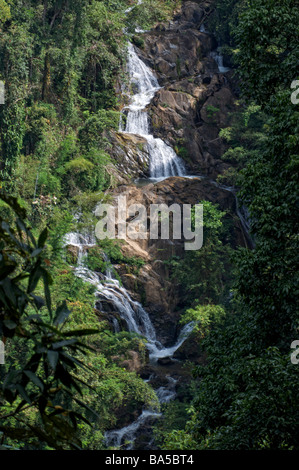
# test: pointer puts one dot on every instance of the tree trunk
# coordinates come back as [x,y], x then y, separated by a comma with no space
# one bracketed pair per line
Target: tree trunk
[46,78]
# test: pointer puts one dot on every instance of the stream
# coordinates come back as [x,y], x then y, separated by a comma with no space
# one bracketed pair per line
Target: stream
[137,320]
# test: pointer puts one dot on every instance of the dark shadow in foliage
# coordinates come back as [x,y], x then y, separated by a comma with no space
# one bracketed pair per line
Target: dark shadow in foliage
[46,383]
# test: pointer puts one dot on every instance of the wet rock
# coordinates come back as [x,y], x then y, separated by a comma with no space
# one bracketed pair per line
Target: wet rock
[192,12]
[129,155]
[189,350]
[165,361]
[194,104]
[133,364]
[152,285]
[189,115]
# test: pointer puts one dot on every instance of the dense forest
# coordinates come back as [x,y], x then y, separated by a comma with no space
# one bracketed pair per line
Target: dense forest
[70,376]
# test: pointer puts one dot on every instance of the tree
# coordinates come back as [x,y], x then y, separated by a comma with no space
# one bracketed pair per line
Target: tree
[267,44]
[47,381]
[247,396]
[4,11]
[201,273]
[15,48]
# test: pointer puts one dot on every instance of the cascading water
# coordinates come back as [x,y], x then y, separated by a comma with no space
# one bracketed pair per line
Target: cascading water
[242,212]
[164,161]
[127,434]
[166,394]
[109,289]
[218,57]
[137,319]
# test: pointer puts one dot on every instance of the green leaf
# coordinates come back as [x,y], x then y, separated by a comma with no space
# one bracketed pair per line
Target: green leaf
[81,417]
[81,403]
[62,313]
[47,281]
[65,342]
[35,276]
[23,393]
[38,301]
[34,379]
[36,252]
[10,324]
[14,204]
[52,358]
[42,238]
[9,290]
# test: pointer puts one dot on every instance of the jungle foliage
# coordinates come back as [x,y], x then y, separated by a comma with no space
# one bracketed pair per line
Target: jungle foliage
[246,395]
[64,382]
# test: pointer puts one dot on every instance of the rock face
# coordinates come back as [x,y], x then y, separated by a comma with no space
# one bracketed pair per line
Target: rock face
[152,285]
[130,155]
[133,363]
[194,102]
[179,49]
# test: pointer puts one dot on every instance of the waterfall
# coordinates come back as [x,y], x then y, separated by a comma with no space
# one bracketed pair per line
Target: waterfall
[118,437]
[164,161]
[242,212]
[137,320]
[166,394]
[128,433]
[109,289]
[218,57]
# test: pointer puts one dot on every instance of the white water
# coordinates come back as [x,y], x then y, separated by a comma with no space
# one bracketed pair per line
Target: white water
[218,57]
[166,394]
[109,289]
[126,435]
[133,6]
[137,319]
[164,162]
